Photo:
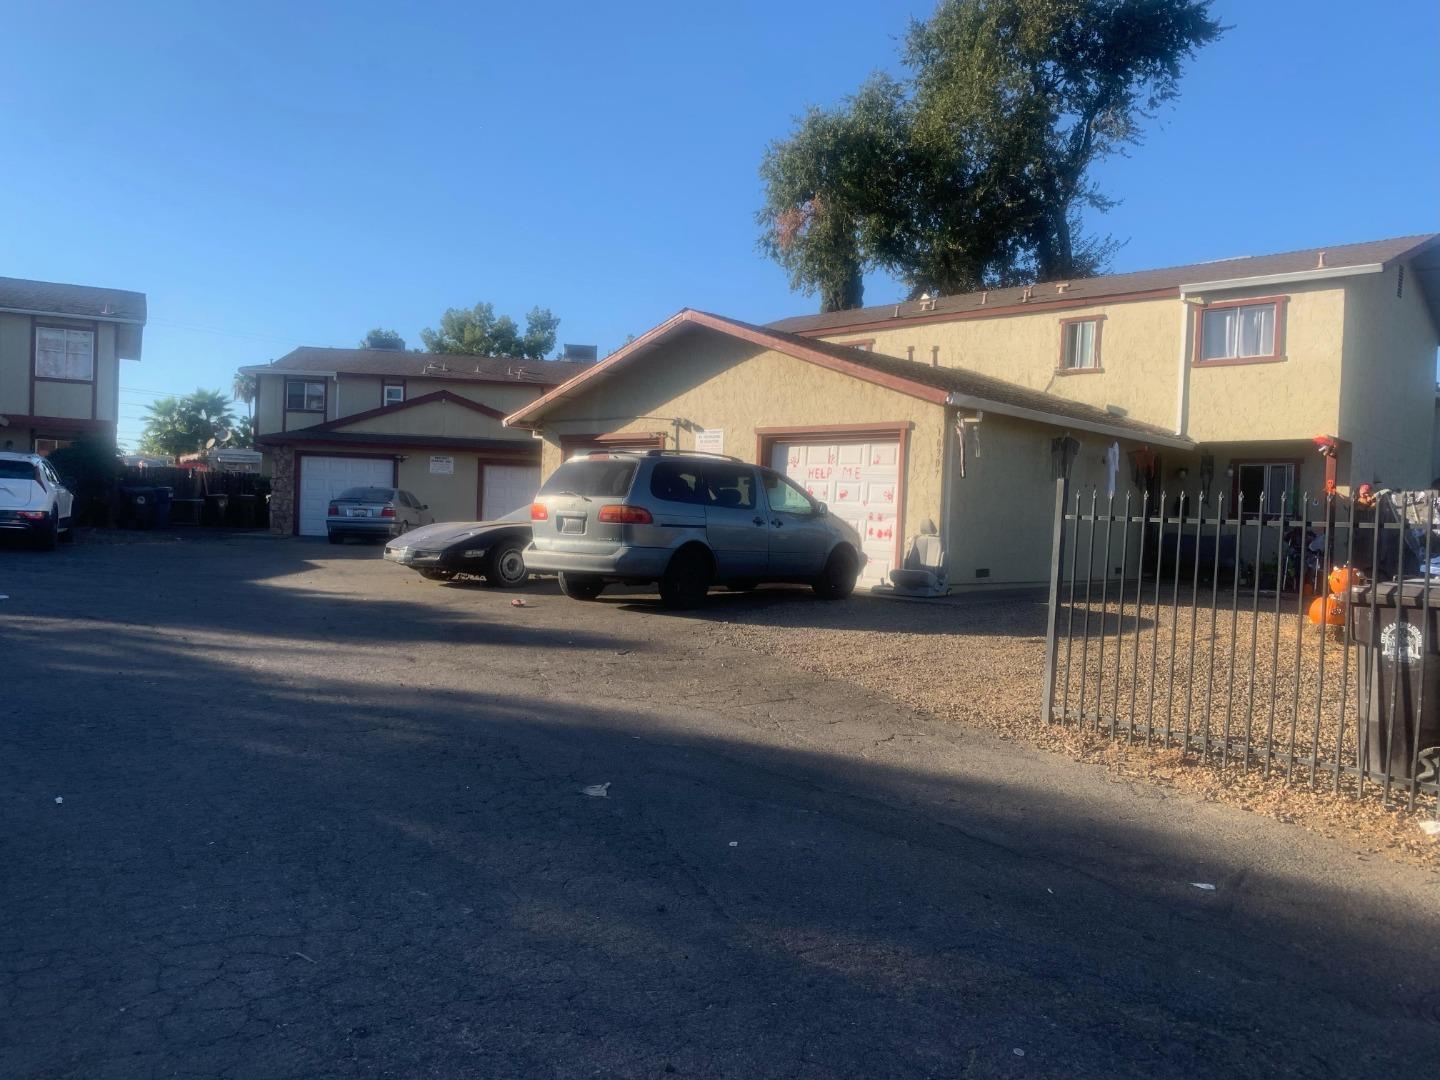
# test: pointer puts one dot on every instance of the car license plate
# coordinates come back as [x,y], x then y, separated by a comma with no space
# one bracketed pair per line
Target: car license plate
[359,513]
[572,525]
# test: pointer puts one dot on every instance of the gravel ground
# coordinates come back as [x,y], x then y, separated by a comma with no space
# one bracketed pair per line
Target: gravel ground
[979,660]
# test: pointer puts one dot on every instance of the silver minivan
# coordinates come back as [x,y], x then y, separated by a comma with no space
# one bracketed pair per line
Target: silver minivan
[686,521]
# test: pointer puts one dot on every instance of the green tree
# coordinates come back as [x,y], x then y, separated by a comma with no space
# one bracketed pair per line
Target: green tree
[243,389]
[974,170]
[185,425]
[383,339]
[478,331]
[90,468]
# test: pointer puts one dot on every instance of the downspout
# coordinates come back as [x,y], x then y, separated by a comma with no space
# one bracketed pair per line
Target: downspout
[1182,373]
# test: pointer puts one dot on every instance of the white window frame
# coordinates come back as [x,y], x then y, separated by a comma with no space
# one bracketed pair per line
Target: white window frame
[385,394]
[73,345]
[1072,335]
[305,395]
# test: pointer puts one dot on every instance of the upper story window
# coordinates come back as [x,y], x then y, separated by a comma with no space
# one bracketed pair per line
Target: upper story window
[1080,344]
[64,354]
[1241,331]
[394,394]
[303,396]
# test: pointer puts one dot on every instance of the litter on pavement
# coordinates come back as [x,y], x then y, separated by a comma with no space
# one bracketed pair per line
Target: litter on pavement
[596,791]
[517,602]
[59,798]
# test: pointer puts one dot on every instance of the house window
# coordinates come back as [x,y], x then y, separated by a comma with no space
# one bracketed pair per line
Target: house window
[394,394]
[1270,481]
[302,396]
[1080,345]
[1239,332]
[46,447]
[64,354]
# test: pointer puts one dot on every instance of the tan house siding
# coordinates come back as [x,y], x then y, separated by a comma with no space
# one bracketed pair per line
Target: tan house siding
[361,393]
[708,381]
[15,362]
[1387,394]
[444,419]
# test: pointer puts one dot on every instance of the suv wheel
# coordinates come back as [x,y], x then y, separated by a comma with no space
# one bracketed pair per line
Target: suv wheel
[686,580]
[505,568]
[580,588]
[837,580]
[49,538]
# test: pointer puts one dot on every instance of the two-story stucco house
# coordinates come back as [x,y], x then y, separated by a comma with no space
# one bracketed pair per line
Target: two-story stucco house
[328,419]
[60,353]
[1212,378]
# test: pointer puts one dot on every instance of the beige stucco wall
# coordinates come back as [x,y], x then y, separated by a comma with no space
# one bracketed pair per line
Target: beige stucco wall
[705,380]
[1387,395]
[15,361]
[1139,346]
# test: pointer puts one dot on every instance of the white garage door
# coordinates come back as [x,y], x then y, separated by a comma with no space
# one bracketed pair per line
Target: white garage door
[322,478]
[506,488]
[860,482]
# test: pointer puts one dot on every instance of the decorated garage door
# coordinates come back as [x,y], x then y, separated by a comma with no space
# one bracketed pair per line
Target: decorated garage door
[860,482]
[322,478]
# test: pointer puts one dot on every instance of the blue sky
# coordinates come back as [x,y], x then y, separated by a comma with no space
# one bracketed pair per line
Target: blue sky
[275,174]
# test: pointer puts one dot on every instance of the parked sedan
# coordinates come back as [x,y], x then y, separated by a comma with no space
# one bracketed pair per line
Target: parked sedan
[33,501]
[374,513]
[493,550]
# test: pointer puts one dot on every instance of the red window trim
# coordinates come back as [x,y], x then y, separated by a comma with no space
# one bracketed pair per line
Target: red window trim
[1099,368]
[1277,357]
[767,437]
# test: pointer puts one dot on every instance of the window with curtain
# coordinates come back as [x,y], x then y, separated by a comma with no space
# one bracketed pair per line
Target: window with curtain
[1078,343]
[1234,333]
[64,354]
[301,396]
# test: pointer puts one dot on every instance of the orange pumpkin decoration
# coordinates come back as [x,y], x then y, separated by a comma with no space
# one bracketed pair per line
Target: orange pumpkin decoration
[1326,609]
[1342,578]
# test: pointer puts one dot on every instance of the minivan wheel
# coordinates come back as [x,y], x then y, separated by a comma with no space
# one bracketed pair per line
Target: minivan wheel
[505,568]
[837,580]
[580,588]
[686,580]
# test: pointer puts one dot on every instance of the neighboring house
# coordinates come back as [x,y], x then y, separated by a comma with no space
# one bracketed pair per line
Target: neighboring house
[60,353]
[328,419]
[1213,378]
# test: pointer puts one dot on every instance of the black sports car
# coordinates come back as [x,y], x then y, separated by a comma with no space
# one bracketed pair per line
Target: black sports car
[493,550]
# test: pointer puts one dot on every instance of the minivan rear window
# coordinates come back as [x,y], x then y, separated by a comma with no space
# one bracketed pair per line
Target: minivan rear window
[17,470]
[606,478]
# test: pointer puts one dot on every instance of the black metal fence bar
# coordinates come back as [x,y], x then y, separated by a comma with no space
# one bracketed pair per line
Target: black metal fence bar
[1269,560]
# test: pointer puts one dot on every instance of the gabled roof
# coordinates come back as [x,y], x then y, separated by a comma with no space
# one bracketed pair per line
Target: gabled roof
[1141,284]
[400,407]
[313,360]
[80,301]
[938,385]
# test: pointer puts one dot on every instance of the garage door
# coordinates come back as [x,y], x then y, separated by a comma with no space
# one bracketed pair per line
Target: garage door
[860,482]
[507,487]
[322,478]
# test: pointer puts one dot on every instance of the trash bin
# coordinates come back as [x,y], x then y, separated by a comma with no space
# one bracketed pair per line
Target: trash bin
[137,510]
[242,511]
[215,509]
[1402,652]
[164,496]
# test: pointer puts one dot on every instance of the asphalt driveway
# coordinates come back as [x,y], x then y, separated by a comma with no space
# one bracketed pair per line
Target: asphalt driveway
[275,809]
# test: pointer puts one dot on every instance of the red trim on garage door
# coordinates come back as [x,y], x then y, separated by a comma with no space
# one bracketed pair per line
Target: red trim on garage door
[767,437]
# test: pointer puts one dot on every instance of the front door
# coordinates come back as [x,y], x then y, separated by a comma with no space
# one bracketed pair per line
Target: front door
[734,521]
[799,540]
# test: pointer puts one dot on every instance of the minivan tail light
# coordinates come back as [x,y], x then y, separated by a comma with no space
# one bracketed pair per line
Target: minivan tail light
[334,510]
[539,512]
[389,511]
[620,514]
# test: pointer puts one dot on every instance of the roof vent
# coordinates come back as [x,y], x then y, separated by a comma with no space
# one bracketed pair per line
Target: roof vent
[1320,261]
[984,297]
[1061,287]
[585,354]
[1028,294]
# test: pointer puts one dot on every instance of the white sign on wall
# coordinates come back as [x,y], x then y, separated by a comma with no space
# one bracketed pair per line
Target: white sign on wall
[442,466]
[710,440]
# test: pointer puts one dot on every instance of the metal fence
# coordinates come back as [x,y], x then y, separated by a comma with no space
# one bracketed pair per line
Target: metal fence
[1183,622]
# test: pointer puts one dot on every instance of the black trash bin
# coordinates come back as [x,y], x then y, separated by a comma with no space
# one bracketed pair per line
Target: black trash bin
[1399,651]
[164,496]
[137,507]
[215,510]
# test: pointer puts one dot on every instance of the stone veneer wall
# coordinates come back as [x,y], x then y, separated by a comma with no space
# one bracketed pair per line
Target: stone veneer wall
[282,490]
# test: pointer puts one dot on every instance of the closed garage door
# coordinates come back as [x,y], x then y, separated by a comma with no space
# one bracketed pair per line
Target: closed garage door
[322,478]
[860,482]
[506,488]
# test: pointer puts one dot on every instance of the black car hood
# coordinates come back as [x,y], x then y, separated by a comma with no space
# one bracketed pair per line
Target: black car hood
[444,533]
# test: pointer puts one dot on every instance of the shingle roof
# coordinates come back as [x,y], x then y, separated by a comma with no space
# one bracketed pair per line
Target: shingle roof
[309,358]
[84,301]
[1167,279]
[934,384]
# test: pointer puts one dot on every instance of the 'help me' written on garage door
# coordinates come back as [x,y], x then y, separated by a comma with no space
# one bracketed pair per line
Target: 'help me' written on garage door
[860,483]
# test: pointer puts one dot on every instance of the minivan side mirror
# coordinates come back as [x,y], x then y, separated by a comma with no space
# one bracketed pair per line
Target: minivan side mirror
[821,509]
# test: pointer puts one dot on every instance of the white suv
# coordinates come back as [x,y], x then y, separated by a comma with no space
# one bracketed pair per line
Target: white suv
[33,501]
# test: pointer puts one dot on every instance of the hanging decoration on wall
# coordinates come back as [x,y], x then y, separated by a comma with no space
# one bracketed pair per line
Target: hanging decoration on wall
[967,439]
[1063,452]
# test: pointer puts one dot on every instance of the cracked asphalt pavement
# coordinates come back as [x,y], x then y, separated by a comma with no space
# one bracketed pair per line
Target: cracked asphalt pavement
[272,809]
